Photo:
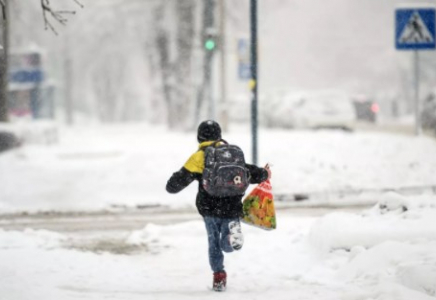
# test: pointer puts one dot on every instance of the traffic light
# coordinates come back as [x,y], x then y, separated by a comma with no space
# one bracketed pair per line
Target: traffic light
[210,44]
[210,40]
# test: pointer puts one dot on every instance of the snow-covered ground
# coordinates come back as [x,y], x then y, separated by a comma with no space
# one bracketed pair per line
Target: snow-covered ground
[387,252]
[97,167]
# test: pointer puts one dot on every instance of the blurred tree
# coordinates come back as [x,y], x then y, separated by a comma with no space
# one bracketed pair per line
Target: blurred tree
[175,70]
[140,68]
[183,66]
[162,45]
[47,12]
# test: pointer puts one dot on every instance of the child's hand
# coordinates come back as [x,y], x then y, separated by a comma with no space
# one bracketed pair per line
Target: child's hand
[267,168]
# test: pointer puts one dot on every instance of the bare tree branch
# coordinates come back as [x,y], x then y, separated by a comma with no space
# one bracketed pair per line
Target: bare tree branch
[58,15]
[3,7]
[79,4]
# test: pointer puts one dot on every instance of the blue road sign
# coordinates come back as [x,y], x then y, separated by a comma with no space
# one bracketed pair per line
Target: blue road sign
[244,71]
[25,76]
[243,49]
[244,68]
[415,28]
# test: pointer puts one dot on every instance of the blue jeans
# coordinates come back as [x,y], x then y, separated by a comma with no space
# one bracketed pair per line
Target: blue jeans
[217,233]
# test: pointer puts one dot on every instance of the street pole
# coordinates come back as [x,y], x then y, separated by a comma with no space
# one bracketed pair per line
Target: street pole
[418,129]
[210,29]
[253,81]
[4,64]
[224,111]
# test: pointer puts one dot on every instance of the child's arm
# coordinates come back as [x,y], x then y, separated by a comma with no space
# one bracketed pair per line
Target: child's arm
[192,170]
[179,180]
[257,174]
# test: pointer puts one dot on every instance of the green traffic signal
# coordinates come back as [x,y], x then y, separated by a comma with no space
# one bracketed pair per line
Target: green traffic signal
[210,44]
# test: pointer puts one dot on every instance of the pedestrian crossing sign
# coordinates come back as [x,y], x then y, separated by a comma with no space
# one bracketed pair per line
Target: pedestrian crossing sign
[415,28]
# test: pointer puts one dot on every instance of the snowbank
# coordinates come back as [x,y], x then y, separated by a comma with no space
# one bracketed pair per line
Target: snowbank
[41,132]
[389,269]
[394,218]
[391,248]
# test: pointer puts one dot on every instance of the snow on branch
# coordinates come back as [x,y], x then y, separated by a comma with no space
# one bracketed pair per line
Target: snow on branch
[58,15]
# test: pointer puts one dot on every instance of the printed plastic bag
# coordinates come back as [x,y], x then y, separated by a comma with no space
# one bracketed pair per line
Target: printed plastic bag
[258,207]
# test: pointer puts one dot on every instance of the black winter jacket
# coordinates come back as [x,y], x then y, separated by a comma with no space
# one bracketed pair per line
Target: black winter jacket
[207,205]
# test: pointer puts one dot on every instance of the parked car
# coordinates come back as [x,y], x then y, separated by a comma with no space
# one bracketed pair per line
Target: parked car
[271,106]
[314,109]
[365,109]
[8,141]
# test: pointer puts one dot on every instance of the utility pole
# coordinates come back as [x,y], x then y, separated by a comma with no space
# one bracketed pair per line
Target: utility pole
[224,112]
[253,80]
[4,63]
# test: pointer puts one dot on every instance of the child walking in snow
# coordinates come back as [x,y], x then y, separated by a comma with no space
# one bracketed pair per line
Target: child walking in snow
[220,213]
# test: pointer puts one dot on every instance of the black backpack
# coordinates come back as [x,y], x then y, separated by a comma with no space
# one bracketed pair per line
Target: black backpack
[224,171]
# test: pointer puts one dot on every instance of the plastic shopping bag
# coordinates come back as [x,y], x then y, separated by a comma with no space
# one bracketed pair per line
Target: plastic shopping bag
[258,207]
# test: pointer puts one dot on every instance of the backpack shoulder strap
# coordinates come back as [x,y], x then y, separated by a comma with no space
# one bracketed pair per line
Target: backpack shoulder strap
[214,144]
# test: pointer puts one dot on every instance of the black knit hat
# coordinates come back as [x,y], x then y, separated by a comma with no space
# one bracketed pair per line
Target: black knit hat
[208,131]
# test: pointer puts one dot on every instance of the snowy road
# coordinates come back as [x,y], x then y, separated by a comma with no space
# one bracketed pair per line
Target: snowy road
[129,219]
[163,256]
[105,231]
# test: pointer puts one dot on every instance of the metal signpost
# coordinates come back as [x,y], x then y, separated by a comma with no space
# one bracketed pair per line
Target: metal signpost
[253,80]
[415,30]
